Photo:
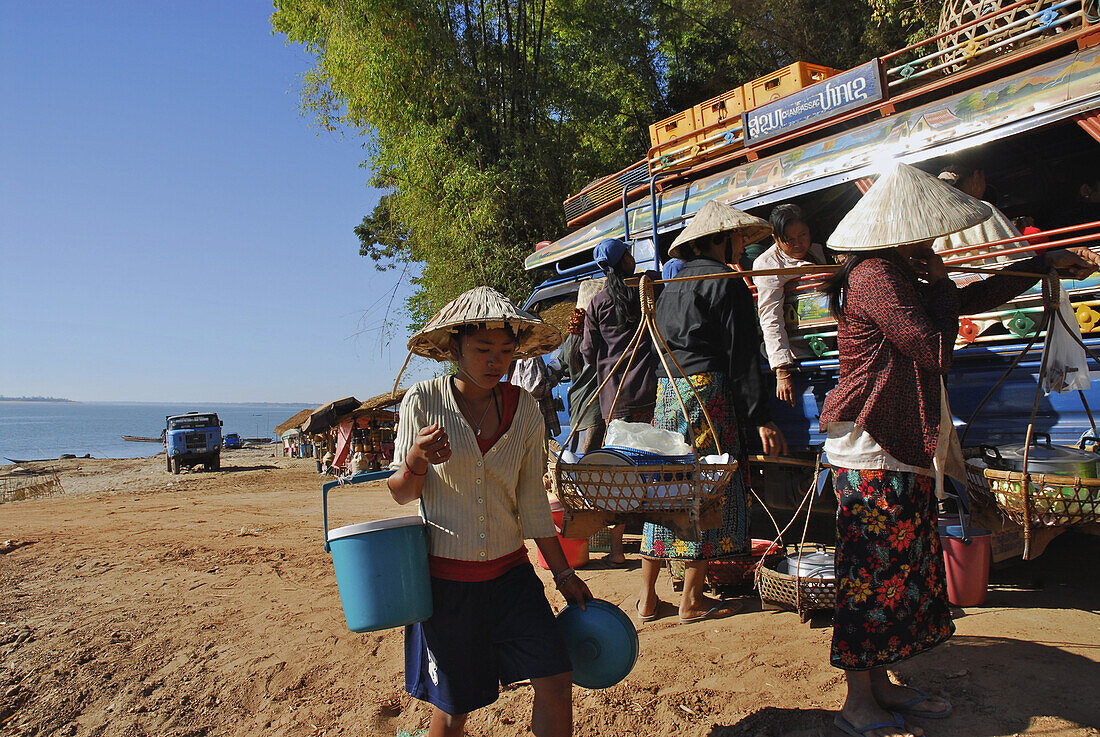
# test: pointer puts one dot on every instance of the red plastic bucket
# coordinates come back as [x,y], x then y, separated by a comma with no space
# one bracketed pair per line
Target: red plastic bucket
[967,564]
[576,551]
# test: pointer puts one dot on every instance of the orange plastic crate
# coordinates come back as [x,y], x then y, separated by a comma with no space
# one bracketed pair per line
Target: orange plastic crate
[673,127]
[725,108]
[783,82]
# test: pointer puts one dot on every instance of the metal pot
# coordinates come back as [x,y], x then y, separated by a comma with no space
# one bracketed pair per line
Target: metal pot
[816,562]
[1061,460]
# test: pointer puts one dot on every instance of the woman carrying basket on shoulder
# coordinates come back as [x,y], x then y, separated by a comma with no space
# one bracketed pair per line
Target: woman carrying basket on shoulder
[710,326]
[610,322]
[472,452]
[890,433]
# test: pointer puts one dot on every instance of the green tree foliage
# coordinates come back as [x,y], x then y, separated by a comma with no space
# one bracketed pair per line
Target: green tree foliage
[483,115]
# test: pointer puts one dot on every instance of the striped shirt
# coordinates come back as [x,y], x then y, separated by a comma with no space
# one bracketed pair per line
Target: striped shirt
[478,507]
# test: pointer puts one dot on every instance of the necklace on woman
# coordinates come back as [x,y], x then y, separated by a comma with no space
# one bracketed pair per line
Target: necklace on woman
[484,414]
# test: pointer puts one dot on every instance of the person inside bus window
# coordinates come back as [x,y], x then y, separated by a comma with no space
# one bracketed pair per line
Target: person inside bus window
[996,227]
[890,437]
[1080,204]
[793,247]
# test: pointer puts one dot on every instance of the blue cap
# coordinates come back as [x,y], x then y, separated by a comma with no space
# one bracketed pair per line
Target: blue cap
[609,253]
[672,268]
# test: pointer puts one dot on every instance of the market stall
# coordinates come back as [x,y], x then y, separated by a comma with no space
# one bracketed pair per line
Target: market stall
[295,444]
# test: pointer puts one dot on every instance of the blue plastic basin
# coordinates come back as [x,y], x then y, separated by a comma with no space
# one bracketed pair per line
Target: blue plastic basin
[602,643]
[382,573]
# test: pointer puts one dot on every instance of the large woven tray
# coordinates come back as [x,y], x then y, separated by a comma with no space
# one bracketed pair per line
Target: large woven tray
[797,593]
[683,497]
[1047,500]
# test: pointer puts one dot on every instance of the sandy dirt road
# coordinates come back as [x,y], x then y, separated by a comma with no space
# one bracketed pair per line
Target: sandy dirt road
[139,603]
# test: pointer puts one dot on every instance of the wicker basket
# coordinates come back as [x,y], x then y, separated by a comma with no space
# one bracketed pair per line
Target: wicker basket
[736,573]
[640,489]
[1047,501]
[798,594]
[969,45]
[600,542]
[685,497]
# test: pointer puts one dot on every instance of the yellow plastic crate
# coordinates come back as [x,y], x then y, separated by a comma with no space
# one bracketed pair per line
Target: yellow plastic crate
[724,108]
[673,127]
[783,82]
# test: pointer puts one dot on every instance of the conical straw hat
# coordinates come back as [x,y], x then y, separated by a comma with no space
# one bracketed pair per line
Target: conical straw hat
[716,217]
[589,289]
[489,308]
[906,205]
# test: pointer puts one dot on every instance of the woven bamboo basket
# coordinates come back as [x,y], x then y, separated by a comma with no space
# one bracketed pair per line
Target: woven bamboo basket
[679,494]
[600,542]
[802,594]
[685,497]
[970,45]
[1044,500]
[797,593]
[738,572]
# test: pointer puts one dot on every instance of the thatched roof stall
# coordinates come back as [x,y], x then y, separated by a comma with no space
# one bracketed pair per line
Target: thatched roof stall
[294,422]
[327,415]
[382,401]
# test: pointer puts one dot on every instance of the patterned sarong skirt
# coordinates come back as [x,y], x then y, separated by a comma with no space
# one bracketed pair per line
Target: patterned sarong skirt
[713,390]
[891,599]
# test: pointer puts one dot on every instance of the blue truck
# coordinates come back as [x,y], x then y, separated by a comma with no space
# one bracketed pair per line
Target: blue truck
[193,439]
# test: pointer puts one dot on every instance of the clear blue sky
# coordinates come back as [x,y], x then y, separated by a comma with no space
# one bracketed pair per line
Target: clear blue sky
[171,227]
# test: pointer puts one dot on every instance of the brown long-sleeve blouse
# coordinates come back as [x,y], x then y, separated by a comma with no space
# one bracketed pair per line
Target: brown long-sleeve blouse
[896,341]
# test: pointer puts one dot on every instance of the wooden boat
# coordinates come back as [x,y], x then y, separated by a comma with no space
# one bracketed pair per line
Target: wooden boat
[140,439]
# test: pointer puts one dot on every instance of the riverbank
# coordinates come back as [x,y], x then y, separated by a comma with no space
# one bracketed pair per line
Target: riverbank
[203,604]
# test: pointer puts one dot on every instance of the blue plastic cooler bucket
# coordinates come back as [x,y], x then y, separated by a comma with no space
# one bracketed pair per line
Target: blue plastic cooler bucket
[381,568]
[382,573]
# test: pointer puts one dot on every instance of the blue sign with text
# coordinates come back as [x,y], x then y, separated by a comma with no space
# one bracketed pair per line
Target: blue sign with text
[838,94]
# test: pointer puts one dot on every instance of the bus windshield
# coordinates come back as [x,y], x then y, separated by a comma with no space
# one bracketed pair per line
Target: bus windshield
[189,422]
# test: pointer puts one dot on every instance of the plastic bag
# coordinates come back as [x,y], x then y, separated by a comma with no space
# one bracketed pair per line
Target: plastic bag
[1067,367]
[643,436]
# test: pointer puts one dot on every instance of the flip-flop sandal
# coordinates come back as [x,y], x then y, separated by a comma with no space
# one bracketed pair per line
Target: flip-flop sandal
[907,707]
[606,560]
[718,611]
[850,729]
[647,617]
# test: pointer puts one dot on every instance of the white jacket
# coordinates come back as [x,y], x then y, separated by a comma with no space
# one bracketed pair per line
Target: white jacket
[770,297]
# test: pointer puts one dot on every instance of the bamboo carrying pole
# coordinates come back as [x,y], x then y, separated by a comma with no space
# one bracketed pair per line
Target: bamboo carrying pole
[820,269]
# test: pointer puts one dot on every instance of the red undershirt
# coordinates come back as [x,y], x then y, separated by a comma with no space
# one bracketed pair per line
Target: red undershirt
[469,571]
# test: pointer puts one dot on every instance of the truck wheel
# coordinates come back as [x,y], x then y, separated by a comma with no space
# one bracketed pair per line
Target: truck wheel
[168,463]
[175,466]
[215,464]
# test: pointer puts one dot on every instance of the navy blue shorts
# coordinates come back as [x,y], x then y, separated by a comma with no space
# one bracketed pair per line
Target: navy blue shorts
[481,635]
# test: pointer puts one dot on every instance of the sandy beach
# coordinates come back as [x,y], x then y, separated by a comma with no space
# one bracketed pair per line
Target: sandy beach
[139,603]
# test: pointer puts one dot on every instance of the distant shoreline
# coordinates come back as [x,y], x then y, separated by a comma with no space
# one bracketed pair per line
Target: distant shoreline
[55,400]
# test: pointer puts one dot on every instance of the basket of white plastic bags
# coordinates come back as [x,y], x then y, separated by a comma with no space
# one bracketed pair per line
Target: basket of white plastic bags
[643,473]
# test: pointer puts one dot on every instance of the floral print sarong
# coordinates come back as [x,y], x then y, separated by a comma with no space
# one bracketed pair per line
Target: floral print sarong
[713,391]
[891,587]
